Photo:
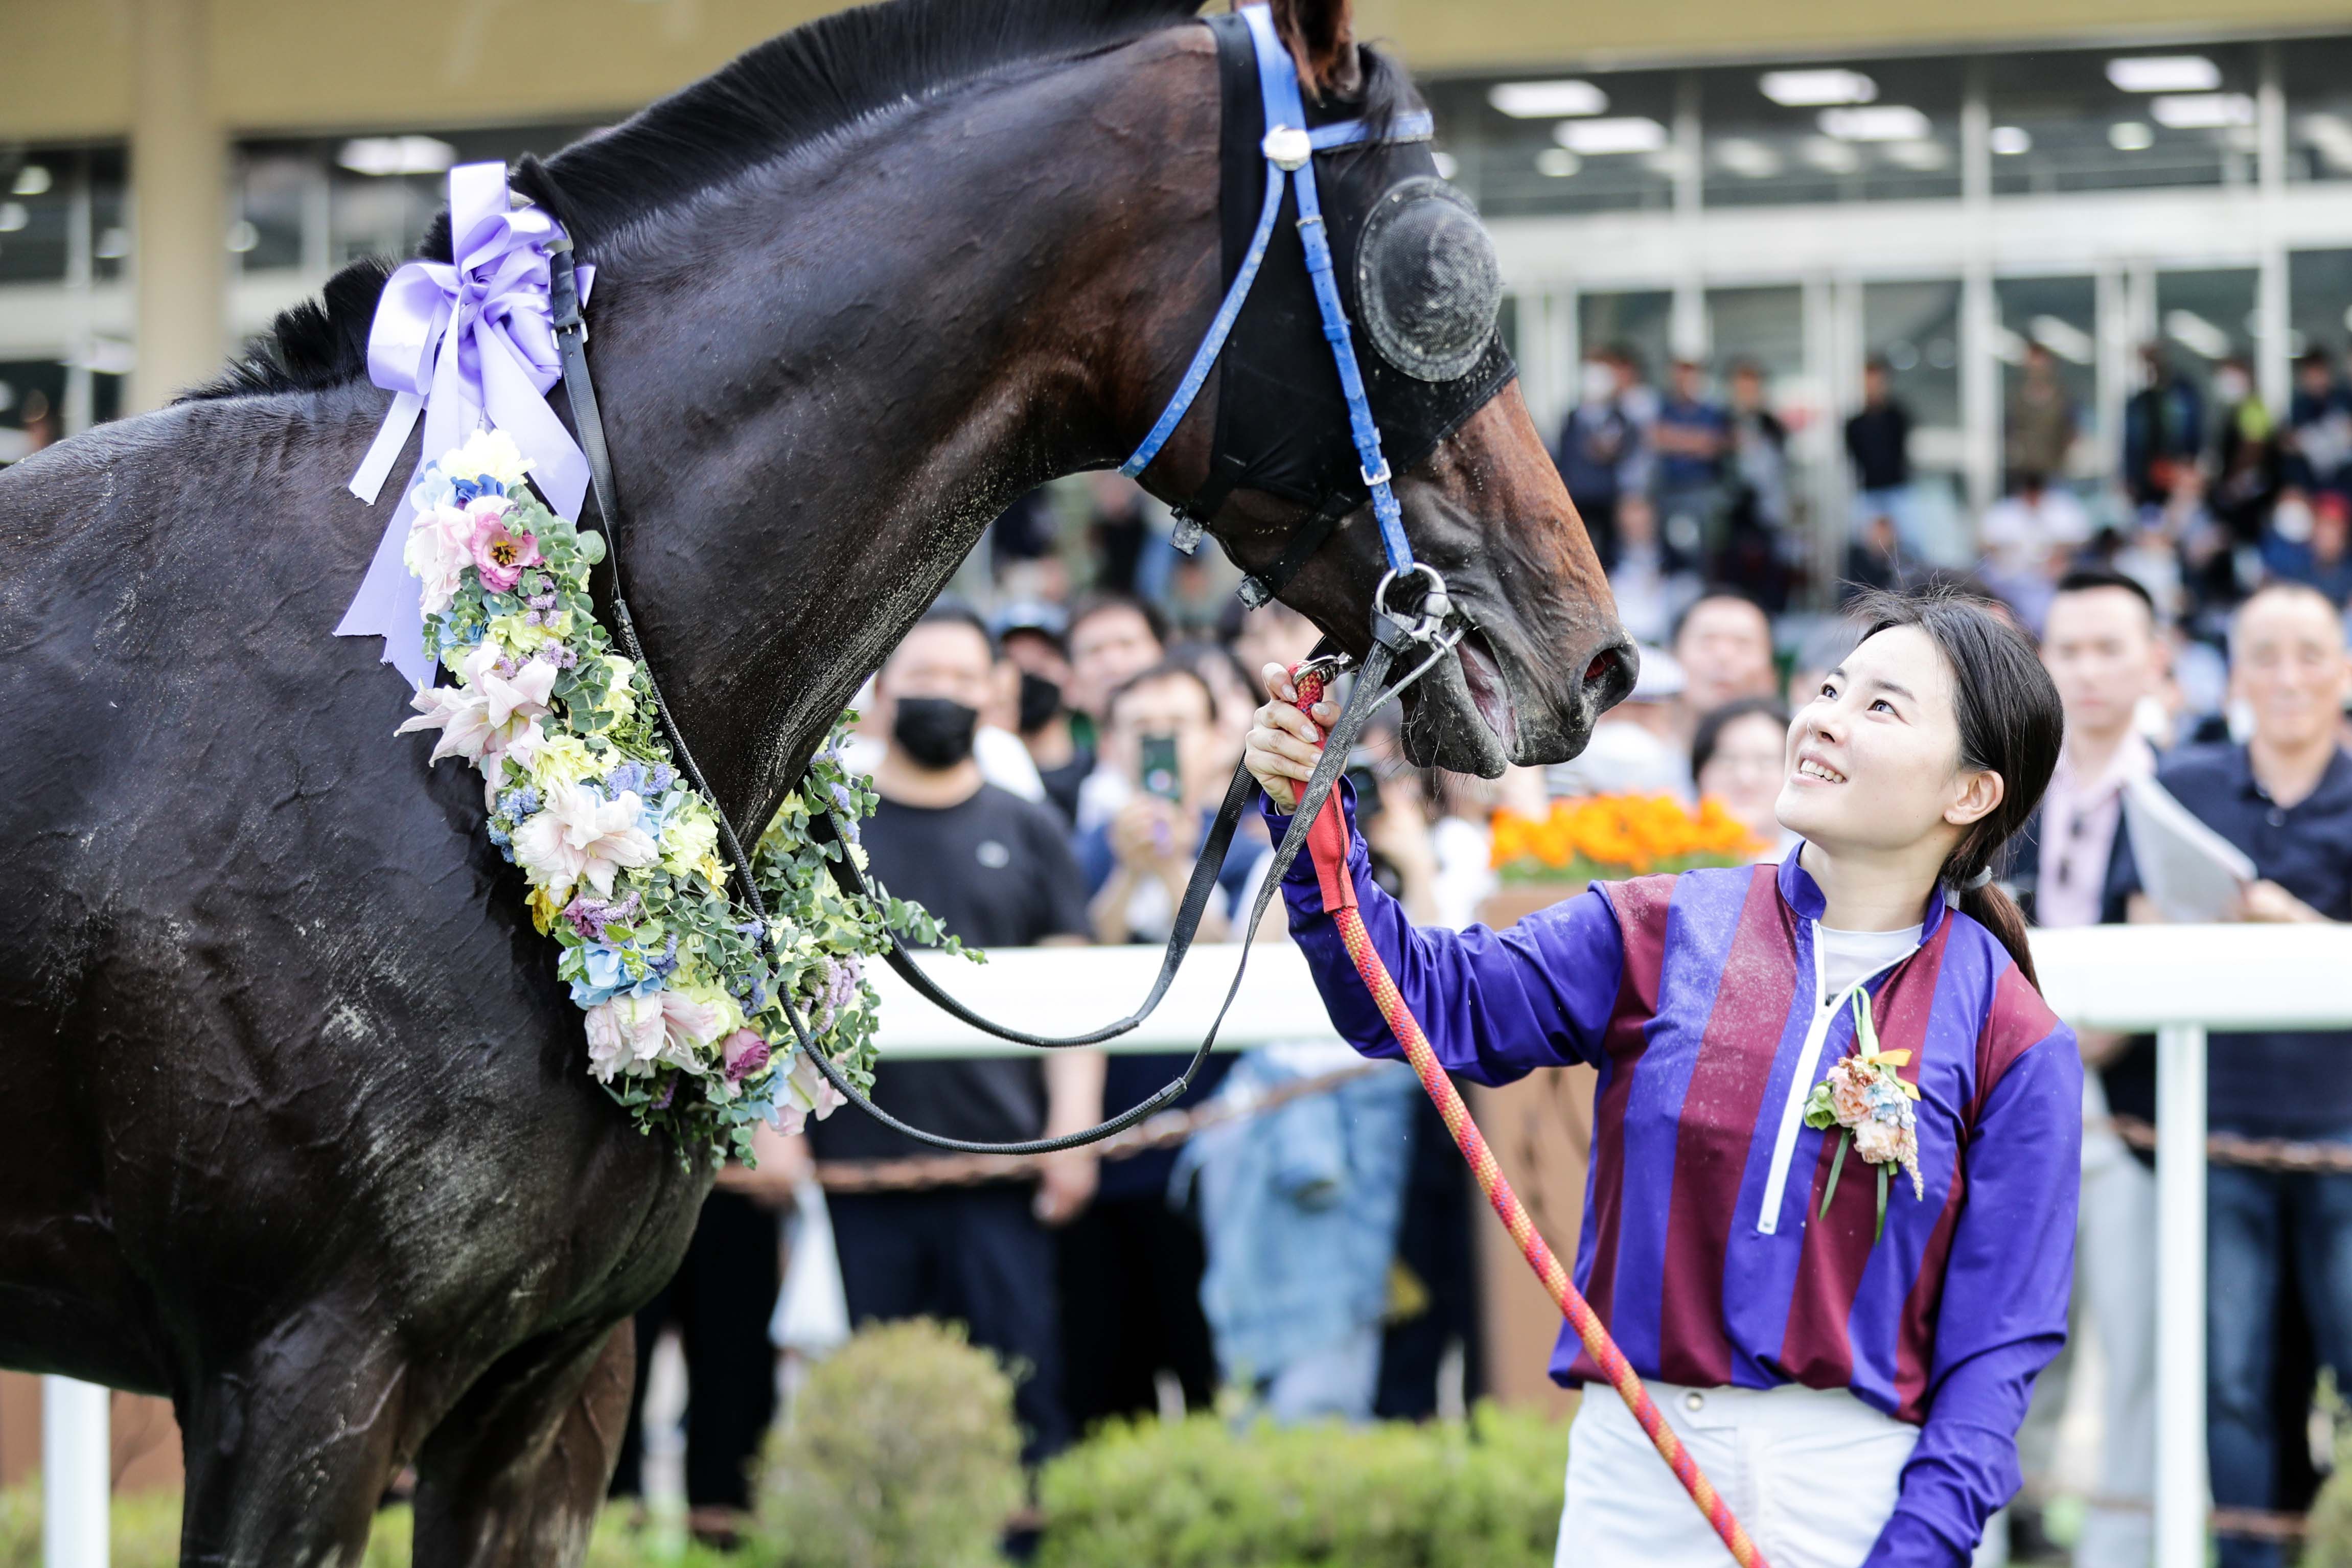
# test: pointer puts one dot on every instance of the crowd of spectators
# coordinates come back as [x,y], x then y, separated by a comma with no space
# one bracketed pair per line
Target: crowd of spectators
[1050,761]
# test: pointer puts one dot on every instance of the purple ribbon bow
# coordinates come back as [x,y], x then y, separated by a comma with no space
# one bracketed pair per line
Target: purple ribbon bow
[466,344]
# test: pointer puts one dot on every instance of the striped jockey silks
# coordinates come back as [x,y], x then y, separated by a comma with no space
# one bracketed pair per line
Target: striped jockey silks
[1694,996]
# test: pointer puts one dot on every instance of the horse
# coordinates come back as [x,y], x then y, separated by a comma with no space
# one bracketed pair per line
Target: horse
[296,1130]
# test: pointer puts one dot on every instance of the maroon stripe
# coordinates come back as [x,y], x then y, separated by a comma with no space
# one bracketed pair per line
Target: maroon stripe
[1915,1337]
[1717,1129]
[2017,1021]
[1641,907]
[1815,1345]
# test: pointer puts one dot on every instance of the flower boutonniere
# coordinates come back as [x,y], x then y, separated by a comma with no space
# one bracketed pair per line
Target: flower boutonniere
[1865,1099]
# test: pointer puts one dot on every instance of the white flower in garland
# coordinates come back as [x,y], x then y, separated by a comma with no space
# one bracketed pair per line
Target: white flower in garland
[684,1003]
[577,835]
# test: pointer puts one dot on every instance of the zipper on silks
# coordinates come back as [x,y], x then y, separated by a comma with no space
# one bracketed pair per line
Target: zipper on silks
[1800,1086]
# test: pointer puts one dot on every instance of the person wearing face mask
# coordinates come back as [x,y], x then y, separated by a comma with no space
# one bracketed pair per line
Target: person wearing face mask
[996,871]
[2247,461]
[1131,1265]
[1602,454]
[1031,639]
[1852,1373]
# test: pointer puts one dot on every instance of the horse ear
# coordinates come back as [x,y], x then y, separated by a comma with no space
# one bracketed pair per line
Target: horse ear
[1322,38]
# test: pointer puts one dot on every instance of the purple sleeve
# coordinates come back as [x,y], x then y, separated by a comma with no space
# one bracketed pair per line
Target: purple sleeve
[2003,1314]
[1496,1007]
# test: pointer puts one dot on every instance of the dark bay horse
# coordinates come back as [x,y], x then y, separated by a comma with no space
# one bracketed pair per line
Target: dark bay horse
[295,1128]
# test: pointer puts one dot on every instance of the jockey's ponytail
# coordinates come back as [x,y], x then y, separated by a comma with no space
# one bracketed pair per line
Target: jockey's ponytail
[2011,723]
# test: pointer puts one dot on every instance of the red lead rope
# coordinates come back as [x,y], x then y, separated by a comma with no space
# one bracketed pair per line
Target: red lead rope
[1327,842]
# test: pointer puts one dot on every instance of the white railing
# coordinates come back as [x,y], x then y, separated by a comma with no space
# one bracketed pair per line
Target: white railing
[2176,981]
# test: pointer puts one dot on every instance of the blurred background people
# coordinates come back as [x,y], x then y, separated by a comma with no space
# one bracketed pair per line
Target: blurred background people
[996,871]
[2284,798]
[1030,638]
[1724,645]
[1130,1268]
[2042,420]
[2071,868]
[2164,428]
[1602,453]
[1878,440]
[1740,757]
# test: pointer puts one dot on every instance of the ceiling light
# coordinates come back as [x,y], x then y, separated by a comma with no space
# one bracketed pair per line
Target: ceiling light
[1749,158]
[1923,156]
[2197,334]
[2164,73]
[1811,89]
[1880,122]
[1593,137]
[32,180]
[1557,163]
[113,244]
[1547,100]
[13,217]
[1446,167]
[382,155]
[2064,339]
[1829,156]
[243,237]
[2331,136]
[2008,140]
[2130,136]
[2203,110]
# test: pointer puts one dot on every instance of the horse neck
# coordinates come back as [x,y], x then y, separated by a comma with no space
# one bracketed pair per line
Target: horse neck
[826,381]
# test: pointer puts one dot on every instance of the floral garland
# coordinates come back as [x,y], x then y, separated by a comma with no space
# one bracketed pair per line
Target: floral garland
[1867,1099]
[685,1020]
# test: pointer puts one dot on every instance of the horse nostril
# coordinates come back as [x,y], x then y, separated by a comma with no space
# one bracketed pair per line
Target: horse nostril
[1609,676]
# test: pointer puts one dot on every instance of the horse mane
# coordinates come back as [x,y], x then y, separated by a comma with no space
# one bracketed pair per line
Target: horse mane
[820,79]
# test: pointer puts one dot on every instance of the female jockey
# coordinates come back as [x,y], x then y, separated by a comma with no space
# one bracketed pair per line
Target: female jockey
[1848,1355]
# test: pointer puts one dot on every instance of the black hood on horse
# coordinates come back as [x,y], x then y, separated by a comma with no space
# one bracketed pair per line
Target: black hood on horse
[1282,419]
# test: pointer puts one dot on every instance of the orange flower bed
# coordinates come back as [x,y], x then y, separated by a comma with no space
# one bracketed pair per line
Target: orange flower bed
[1609,836]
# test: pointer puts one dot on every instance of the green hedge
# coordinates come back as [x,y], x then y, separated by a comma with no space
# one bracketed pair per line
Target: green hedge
[1202,1494]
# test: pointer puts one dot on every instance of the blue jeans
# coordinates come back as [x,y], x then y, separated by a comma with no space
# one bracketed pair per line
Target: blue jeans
[2253,1219]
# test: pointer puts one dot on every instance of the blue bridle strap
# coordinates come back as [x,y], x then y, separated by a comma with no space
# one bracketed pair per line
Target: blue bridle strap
[1278,88]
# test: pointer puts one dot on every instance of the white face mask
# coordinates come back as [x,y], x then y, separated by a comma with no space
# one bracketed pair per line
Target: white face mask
[1600,382]
[2291,519]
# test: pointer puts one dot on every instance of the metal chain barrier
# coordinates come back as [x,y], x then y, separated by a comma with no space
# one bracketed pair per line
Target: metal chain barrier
[2247,1154]
[1164,1130]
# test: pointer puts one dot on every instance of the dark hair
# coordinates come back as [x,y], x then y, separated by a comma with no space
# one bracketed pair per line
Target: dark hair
[1709,734]
[2091,579]
[2011,723]
[1719,594]
[1197,655]
[1166,670]
[955,613]
[1094,605]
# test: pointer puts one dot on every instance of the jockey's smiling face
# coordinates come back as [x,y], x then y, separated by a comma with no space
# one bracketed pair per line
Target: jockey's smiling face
[1874,758]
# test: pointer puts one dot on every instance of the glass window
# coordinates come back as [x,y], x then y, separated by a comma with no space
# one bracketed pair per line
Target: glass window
[36,195]
[2202,318]
[1599,142]
[110,213]
[2316,74]
[32,406]
[2060,316]
[1859,131]
[1638,322]
[2085,120]
[2319,300]
[1915,328]
[274,185]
